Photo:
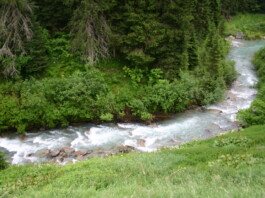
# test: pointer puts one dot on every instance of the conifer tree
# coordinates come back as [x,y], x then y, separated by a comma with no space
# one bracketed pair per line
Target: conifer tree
[90,31]
[15,29]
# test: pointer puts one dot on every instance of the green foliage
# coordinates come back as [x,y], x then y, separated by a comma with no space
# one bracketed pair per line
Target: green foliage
[165,96]
[51,102]
[242,6]
[3,163]
[252,25]
[237,160]
[106,117]
[136,75]
[232,141]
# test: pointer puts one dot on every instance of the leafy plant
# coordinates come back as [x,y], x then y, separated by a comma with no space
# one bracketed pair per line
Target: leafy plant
[3,163]
[235,160]
[231,141]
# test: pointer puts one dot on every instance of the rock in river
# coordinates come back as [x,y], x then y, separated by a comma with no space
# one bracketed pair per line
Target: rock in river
[67,152]
[126,149]
[141,142]
[54,153]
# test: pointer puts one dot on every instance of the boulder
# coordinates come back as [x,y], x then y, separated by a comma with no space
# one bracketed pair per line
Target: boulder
[230,38]
[82,153]
[141,142]
[200,109]
[67,152]
[126,149]
[54,153]
[45,153]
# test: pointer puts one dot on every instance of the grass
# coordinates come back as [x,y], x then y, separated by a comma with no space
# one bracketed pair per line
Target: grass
[252,25]
[231,165]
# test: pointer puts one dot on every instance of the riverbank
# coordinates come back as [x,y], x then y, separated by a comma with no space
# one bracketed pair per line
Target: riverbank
[225,166]
[247,26]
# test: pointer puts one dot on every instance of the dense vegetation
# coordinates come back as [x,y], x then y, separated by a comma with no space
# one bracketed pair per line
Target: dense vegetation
[252,26]
[150,57]
[227,166]
[256,113]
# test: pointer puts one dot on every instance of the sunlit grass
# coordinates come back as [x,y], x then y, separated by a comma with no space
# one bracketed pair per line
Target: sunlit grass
[191,171]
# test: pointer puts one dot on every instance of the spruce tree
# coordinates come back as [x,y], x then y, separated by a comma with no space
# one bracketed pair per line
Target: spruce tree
[15,30]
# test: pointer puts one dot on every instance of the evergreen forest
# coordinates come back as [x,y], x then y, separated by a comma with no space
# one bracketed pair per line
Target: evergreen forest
[87,60]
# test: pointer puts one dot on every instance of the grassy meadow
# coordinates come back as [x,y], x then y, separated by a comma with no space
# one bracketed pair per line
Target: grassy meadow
[230,165]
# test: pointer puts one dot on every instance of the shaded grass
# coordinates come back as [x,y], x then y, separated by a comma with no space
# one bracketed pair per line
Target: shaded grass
[181,172]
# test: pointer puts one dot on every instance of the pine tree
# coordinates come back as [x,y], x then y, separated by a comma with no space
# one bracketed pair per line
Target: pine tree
[90,31]
[15,29]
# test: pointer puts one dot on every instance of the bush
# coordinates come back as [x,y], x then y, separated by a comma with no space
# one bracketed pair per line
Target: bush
[51,102]
[165,96]
[3,163]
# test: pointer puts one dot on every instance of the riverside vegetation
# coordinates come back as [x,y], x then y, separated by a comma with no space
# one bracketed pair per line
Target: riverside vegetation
[109,60]
[55,85]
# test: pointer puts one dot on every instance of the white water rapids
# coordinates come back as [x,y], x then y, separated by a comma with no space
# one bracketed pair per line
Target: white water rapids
[193,124]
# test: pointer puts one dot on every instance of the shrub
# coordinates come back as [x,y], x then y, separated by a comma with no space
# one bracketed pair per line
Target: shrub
[173,96]
[232,141]
[3,163]
[52,102]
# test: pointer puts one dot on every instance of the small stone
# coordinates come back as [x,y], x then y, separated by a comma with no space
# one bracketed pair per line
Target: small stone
[215,111]
[141,142]
[23,137]
[88,132]
[29,154]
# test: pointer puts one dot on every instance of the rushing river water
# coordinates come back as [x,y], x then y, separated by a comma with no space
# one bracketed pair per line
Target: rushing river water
[193,124]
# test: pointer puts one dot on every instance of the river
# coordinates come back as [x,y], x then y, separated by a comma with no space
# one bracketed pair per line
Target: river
[106,138]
